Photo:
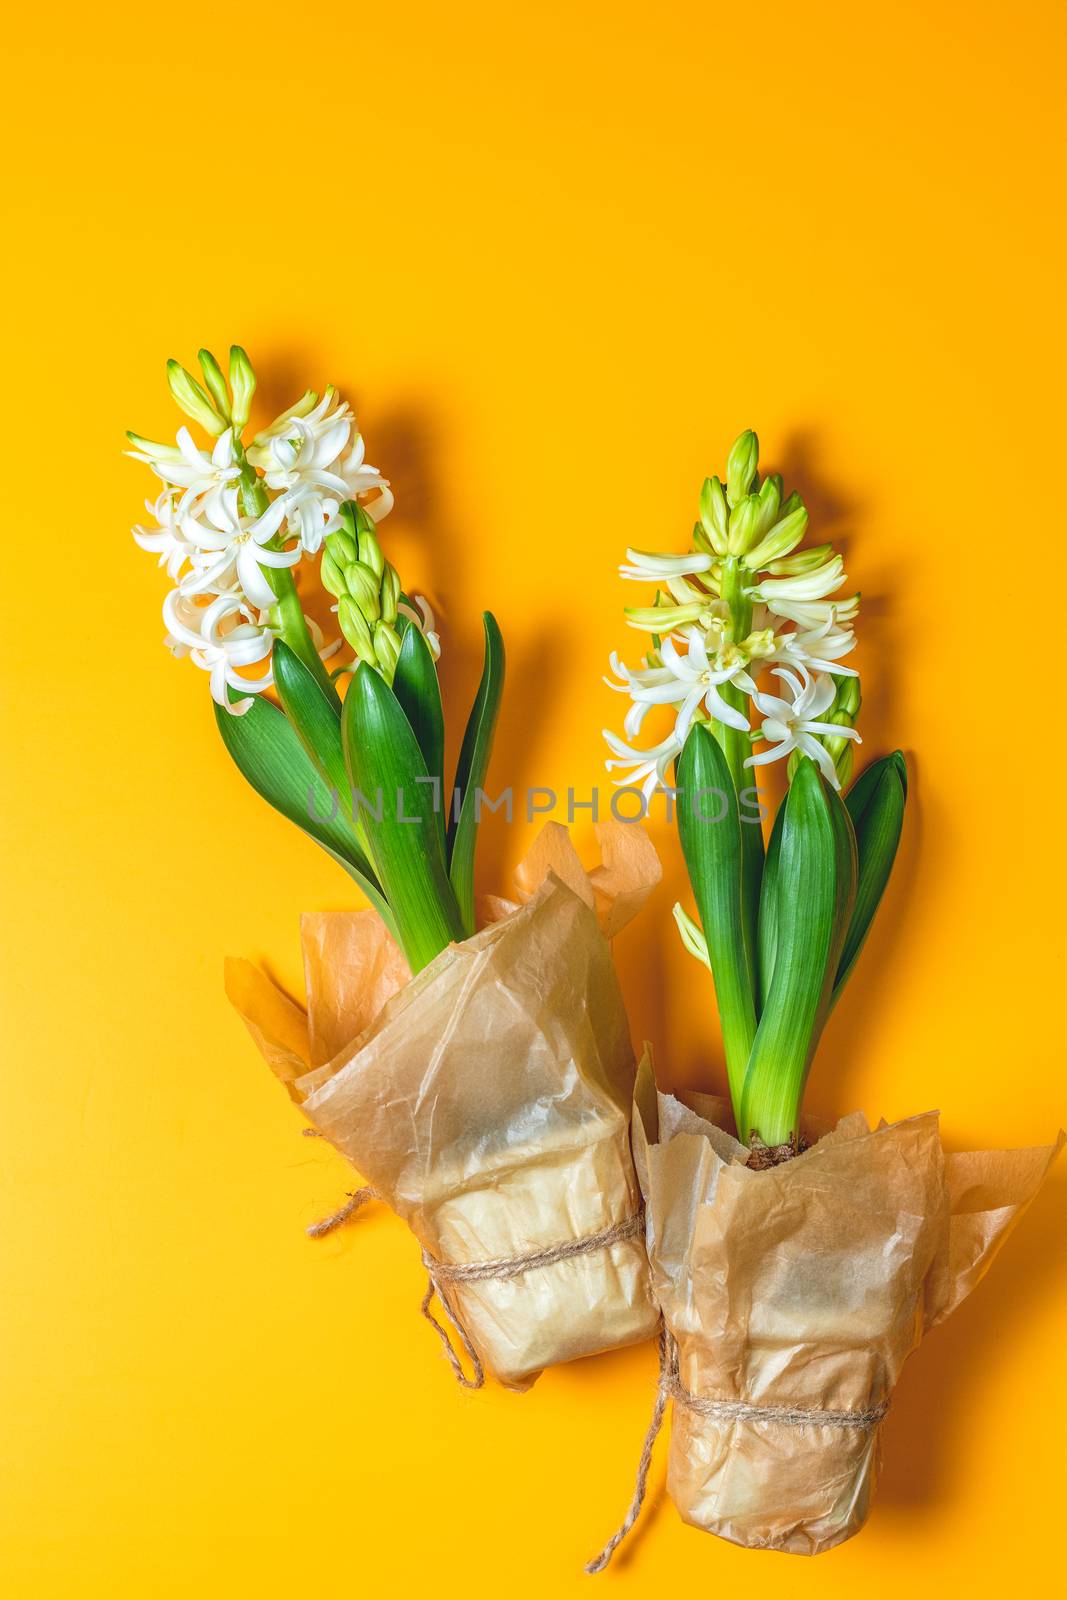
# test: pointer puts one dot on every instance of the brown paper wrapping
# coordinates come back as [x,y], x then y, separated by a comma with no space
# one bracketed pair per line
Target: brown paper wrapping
[488,1099]
[805,1287]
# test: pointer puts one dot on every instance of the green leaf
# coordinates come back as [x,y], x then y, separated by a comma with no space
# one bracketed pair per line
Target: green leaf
[710,830]
[316,718]
[768,909]
[267,750]
[385,765]
[419,693]
[815,883]
[736,746]
[471,771]
[876,805]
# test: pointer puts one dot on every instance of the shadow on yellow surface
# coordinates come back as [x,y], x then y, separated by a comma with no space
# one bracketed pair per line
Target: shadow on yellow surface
[943,1400]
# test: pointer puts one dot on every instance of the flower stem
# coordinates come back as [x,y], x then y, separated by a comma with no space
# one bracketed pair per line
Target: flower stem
[292,624]
[294,629]
[736,747]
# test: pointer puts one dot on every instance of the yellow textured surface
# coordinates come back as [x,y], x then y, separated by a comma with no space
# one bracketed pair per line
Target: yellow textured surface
[557,256]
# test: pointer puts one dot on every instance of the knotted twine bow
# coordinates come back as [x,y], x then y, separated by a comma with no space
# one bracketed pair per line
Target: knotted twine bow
[439,1272]
[671,1387]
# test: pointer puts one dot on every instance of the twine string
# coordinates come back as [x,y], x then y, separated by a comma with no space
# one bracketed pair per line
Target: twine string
[439,1272]
[671,1387]
[514,1266]
[791,1416]
[667,1359]
[356,1199]
[449,1348]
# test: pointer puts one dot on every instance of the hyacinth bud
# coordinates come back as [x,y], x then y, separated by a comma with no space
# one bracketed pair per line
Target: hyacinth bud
[759,646]
[307,402]
[849,699]
[333,578]
[844,763]
[193,400]
[741,466]
[387,648]
[846,708]
[660,618]
[770,498]
[149,448]
[367,587]
[692,935]
[242,385]
[215,382]
[389,594]
[354,627]
[783,537]
[342,547]
[744,524]
[803,561]
[714,517]
[683,590]
[370,551]
[362,586]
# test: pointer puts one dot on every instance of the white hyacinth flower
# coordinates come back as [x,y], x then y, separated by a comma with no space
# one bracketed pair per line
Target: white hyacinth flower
[166,539]
[790,725]
[220,637]
[300,457]
[645,566]
[699,679]
[302,441]
[231,548]
[818,649]
[231,522]
[803,588]
[648,767]
[362,479]
[201,477]
[686,681]
[814,613]
[641,684]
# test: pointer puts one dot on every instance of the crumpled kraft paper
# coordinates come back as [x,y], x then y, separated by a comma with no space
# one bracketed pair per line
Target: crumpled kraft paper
[805,1287]
[488,1099]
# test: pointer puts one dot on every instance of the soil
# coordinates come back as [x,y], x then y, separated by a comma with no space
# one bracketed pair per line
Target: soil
[762,1156]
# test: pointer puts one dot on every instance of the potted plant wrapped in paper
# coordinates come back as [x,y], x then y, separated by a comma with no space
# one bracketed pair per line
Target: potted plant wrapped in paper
[482,1081]
[795,1272]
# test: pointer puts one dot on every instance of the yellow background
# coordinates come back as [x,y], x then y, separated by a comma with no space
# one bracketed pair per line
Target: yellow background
[557,256]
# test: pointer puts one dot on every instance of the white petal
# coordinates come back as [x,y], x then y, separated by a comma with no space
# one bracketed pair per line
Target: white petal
[666,694]
[725,713]
[819,754]
[832,730]
[647,566]
[769,705]
[381,507]
[251,578]
[685,716]
[774,753]
[822,696]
